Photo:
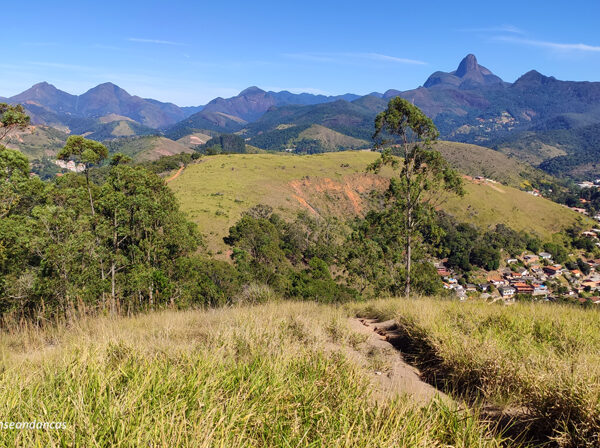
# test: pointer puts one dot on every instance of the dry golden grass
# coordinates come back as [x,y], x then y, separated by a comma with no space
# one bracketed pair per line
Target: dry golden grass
[270,375]
[541,357]
[217,190]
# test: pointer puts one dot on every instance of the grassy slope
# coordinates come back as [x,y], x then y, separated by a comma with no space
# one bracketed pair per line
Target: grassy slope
[122,129]
[142,149]
[194,139]
[37,141]
[479,161]
[330,139]
[217,190]
[543,357]
[487,205]
[266,376]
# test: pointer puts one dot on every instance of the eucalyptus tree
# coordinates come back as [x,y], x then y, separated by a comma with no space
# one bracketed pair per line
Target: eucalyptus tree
[421,175]
[87,153]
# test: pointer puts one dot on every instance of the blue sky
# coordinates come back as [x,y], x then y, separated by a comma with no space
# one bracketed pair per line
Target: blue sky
[189,52]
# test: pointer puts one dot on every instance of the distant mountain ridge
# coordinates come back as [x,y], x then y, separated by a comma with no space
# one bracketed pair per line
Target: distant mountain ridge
[469,104]
[101,100]
[51,106]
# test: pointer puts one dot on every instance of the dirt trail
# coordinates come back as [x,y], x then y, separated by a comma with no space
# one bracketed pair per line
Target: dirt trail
[396,375]
[403,378]
[176,175]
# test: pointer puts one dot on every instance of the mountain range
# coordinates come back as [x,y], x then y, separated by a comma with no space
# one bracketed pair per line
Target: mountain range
[534,118]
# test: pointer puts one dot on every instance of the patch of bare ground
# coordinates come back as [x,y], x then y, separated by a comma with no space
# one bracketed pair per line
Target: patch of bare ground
[176,175]
[418,372]
[391,374]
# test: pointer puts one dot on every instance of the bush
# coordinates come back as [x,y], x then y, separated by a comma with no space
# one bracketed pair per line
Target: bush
[206,282]
[256,293]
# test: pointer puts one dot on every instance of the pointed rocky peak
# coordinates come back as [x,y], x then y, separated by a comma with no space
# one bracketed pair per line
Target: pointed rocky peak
[468,64]
[468,75]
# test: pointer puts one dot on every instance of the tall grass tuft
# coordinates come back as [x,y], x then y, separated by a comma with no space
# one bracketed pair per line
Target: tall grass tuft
[542,358]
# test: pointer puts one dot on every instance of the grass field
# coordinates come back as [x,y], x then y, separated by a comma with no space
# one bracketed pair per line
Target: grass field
[145,148]
[215,191]
[273,375]
[538,358]
[488,204]
[479,161]
[330,139]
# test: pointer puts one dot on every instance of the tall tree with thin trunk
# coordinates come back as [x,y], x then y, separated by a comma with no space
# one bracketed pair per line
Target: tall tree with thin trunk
[85,152]
[421,175]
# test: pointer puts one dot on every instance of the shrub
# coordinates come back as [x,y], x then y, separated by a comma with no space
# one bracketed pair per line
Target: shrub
[255,293]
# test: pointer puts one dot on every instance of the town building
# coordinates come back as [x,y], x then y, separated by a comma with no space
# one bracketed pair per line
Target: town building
[507,291]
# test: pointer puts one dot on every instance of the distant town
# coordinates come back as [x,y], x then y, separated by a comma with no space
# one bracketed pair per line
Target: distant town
[532,277]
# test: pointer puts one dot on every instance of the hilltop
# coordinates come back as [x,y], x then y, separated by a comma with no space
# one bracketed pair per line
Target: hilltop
[215,191]
[142,149]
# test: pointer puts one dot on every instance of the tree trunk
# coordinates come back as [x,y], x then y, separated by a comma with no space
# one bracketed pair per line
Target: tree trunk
[112,289]
[87,182]
[408,264]
[112,268]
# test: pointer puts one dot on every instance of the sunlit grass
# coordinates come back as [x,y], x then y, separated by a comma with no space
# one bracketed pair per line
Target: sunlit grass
[214,192]
[543,357]
[269,375]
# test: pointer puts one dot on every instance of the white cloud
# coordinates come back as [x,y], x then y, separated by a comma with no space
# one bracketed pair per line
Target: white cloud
[494,29]
[386,58]
[153,41]
[340,58]
[551,45]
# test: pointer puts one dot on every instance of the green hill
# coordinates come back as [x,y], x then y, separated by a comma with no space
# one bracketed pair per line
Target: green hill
[205,120]
[215,191]
[37,141]
[306,139]
[476,160]
[195,139]
[332,140]
[147,148]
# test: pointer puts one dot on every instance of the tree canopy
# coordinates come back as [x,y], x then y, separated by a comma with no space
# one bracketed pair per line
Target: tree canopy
[12,118]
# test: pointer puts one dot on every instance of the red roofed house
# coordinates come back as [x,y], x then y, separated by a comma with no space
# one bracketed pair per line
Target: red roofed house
[443,272]
[552,270]
[523,288]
